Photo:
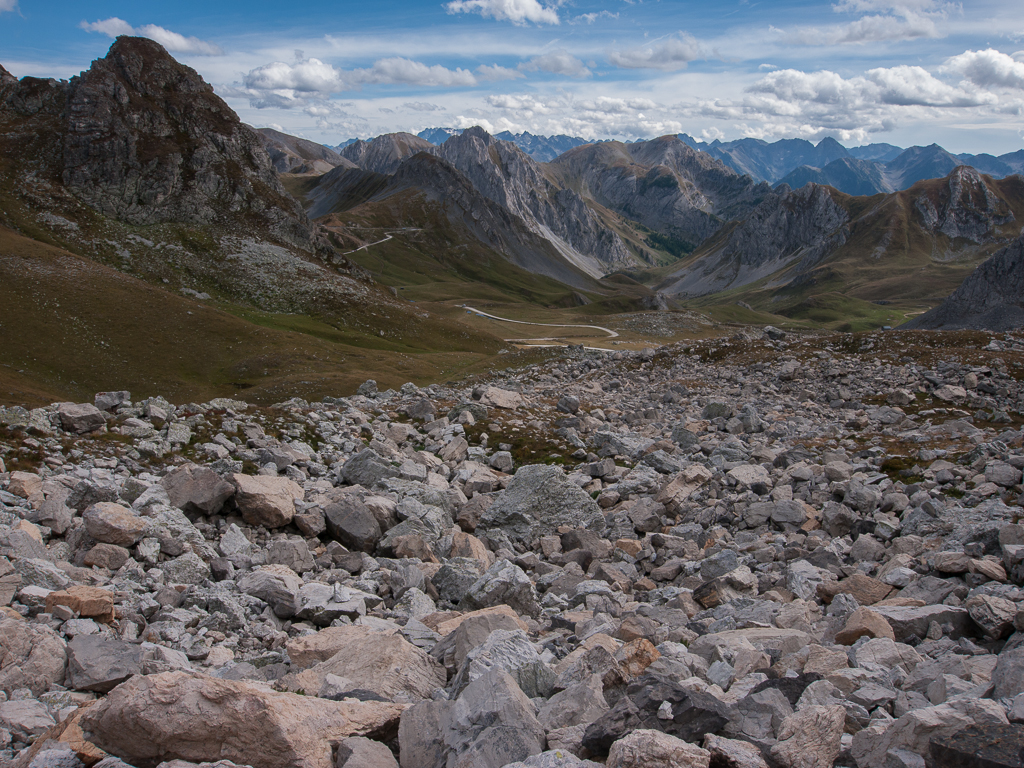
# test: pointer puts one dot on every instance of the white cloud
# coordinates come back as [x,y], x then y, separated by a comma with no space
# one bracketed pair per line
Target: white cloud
[280,84]
[422,106]
[590,18]
[887,20]
[559,62]
[989,68]
[172,41]
[516,11]
[670,53]
[8,5]
[492,73]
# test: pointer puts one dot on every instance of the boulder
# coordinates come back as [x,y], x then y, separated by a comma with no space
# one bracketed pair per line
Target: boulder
[386,664]
[864,622]
[276,585]
[908,621]
[111,523]
[351,522]
[504,583]
[177,715]
[264,500]
[538,500]
[501,398]
[98,663]
[977,746]
[360,752]
[655,749]
[1008,676]
[10,581]
[88,602]
[733,753]
[810,738]
[367,468]
[31,656]
[197,489]
[80,418]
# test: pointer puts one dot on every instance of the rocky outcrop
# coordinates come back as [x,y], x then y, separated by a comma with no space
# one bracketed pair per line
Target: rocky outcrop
[991,298]
[147,141]
[386,152]
[290,154]
[789,229]
[964,208]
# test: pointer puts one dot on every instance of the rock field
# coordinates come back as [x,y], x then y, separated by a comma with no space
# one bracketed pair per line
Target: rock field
[796,551]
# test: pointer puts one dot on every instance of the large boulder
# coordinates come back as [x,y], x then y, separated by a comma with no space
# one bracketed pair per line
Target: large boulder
[98,663]
[539,499]
[177,715]
[386,664]
[654,749]
[111,523]
[810,738]
[504,583]
[80,417]
[276,585]
[264,500]
[192,488]
[32,656]
[353,524]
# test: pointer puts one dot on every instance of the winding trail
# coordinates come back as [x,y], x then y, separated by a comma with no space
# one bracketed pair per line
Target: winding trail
[611,334]
[364,247]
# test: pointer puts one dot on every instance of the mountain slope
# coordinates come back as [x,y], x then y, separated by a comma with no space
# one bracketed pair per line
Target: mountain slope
[663,184]
[384,153]
[917,243]
[854,177]
[991,298]
[290,154]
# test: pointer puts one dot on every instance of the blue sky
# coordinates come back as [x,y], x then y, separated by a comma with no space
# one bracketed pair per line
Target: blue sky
[899,71]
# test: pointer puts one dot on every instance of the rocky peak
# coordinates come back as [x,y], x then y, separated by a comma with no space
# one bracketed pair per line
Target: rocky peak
[147,141]
[6,78]
[964,208]
[385,153]
[290,154]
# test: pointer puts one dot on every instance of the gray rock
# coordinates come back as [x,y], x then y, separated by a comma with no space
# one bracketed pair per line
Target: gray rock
[197,489]
[31,656]
[276,585]
[80,418]
[511,651]
[504,583]
[538,500]
[99,664]
[352,523]
[367,468]
[359,752]
[1008,676]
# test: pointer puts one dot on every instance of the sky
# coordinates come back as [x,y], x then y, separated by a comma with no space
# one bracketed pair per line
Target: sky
[905,72]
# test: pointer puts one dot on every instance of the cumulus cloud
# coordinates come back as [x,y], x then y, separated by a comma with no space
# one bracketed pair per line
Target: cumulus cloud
[988,68]
[588,118]
[886,20]
[282,84]
[667,54]
[559,62]
[516,11]
[172,41]
[492,73]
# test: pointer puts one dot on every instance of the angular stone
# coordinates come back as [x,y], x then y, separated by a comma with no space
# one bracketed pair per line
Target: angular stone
[359,752]
[579,704]
[864,589]
[108,401]
[81,417]
[504,583]
[10,580]
[539,499]
[367,468]
[266,501]
[25,719]
[909,622]
[143,721]
[31,656]
[351,522]
[88,602]
[113,524]
[97,663]
[196,489]
[990,746]
[276,585]
[108,556]
[1008,676]
[864,622]
[810,738]
[655,749]
[733,753]
[994,615]
[388,665]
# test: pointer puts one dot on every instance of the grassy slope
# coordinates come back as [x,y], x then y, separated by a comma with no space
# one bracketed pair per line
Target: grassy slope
[70,327]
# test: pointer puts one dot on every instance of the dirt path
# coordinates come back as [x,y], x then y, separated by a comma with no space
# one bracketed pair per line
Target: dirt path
[611,334]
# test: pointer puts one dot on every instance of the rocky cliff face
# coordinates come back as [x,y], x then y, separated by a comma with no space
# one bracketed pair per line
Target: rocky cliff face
[147,141]
[991,298]
[505,174]
[663,184]
[964,208]
[385,153]
[788,229]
